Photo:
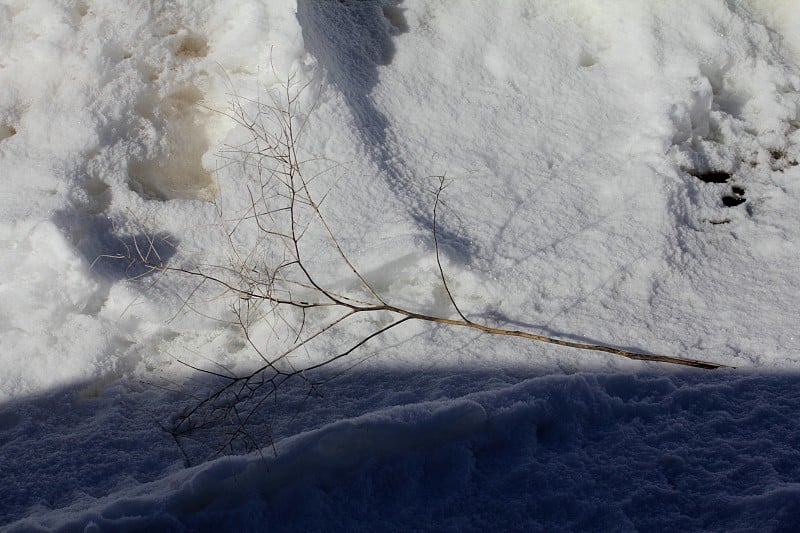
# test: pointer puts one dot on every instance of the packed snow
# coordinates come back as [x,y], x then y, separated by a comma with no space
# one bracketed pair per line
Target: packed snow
[621,173]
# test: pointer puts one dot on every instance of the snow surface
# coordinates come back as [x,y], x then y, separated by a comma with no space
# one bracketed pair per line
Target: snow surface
[582,139]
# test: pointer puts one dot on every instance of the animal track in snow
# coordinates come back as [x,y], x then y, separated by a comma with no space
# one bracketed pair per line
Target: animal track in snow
[176,171]
[192,45]
[719,150]
[172,117]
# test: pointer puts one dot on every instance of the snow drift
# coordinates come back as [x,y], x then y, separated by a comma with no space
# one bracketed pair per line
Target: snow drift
[622,172]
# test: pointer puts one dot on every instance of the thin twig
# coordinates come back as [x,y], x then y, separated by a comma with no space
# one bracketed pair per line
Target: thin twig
[439,190]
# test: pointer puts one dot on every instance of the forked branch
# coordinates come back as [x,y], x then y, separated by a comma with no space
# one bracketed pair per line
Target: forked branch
[283,208]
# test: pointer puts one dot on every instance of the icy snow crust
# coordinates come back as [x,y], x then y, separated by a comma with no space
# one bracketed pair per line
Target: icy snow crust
[622,172]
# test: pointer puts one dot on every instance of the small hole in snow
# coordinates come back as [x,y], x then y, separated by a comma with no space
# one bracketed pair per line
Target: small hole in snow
[738,190]
[732,201]
[587,60]
[6,131]
[712,176]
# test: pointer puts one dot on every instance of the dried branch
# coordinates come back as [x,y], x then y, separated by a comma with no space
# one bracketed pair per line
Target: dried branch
[283,209]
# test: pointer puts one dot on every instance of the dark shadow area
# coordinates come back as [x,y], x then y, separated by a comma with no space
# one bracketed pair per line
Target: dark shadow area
[351,39]
[113,254]
[700,450]
[78,441]
[712,176]
[732,200]
[607,452]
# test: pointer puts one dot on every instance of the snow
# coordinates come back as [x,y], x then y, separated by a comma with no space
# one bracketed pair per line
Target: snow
[699,453]
[622,172]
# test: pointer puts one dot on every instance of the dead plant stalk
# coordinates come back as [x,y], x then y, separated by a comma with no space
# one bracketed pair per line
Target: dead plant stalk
[283,207]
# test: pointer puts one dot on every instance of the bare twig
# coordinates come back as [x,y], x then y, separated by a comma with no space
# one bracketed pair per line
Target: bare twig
[283,208]
[436,201]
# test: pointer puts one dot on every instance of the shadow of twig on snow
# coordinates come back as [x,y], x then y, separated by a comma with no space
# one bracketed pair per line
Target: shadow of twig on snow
[351,40]
[102,245]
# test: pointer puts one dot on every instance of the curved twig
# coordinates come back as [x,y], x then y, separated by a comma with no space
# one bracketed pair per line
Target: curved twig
[436,202]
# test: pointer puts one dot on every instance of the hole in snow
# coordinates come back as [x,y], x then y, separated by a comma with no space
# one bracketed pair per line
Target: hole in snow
[99,195]
[587,59]
[6,131]
[780,160]
[712,176]
[732,201]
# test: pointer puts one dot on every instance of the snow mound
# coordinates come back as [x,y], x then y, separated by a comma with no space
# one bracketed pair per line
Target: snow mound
[322,455]
[578,452]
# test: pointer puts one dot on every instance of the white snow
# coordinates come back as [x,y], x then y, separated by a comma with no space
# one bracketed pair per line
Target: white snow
[594,152]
